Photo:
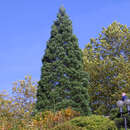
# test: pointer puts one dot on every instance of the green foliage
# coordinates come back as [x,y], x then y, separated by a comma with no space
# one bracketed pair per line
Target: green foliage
[94,123]
[124,129]
[120,122]
[63,82]
[116,117]
[67,126]
[106,59]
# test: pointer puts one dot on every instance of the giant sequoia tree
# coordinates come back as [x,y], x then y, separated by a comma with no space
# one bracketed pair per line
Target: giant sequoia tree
[63,82]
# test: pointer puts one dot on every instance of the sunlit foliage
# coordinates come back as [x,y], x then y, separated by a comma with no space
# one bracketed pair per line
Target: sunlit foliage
[106,58]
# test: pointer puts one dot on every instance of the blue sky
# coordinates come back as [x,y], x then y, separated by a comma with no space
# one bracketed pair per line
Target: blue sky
[25,27]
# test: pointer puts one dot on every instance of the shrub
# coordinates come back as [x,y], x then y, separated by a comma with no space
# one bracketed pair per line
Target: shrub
[94,123]
[67,126]
[50,119]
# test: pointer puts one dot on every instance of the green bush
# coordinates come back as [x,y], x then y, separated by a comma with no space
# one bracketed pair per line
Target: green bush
[94,122]
[67,126]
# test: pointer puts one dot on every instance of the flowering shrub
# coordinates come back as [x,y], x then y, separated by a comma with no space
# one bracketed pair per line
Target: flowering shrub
[49,119]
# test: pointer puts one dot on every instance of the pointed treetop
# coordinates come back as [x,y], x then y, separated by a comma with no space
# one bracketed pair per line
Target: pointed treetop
[62,10]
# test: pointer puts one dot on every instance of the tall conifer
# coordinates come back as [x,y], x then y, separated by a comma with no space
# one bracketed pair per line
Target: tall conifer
[63,82]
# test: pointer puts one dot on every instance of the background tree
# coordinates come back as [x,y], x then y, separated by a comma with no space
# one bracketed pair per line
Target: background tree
[63,82]
[5,105]
[16,108]
[24,97]
[106,58]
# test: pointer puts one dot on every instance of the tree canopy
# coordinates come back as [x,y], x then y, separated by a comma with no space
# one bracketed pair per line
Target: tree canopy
[106,58]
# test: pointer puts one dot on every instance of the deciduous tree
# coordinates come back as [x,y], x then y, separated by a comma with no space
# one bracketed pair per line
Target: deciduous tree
[106,58]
